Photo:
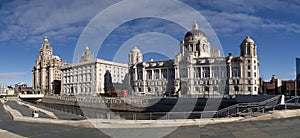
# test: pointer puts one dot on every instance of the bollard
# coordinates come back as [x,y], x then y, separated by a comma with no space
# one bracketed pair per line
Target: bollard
[285,106]
[108,115]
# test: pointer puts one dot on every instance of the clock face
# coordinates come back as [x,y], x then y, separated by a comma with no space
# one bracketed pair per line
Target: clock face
[48,52]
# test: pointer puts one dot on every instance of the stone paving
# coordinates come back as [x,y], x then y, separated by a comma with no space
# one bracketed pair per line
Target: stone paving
[25,111]
[60,114]
[37,130]
[7,134]
[281,128]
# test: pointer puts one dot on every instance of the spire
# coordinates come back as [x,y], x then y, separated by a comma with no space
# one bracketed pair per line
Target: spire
[87,55]
[45,38]
[195,26]
[136,50]
[46,44]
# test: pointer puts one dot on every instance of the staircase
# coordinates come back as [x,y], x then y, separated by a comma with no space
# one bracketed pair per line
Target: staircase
[249,109]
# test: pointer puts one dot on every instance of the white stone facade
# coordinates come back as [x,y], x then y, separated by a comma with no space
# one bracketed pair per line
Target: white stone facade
[197,70]
[87,76]
[2,88]
[46,74]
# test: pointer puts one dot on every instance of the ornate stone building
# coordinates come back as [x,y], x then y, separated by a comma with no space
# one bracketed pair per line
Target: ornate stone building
[198,70]
[88,76]
[46,74]
[2,88]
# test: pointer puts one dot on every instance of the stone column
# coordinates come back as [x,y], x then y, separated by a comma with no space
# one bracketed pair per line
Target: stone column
[135,74]
[210,72]
[37,81]
[176,73]
[230,70]
[43,81]
[201,72]
[160,76]
[152,74]
[33,79]
[144,79]
[50,80]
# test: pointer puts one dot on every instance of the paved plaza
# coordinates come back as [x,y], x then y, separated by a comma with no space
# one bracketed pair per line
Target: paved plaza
[288,127]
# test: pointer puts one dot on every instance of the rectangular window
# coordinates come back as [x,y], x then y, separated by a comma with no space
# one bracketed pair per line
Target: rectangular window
[249,89]
[149,74]
[216,72]
[249,74]
[156,73]
[235,73]
[164,73]
[206,72]
[140,75]
[197,72]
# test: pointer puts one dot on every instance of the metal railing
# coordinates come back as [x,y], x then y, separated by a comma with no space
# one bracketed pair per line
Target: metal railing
[292,103]
[293,100]
[244,108]
[159,115]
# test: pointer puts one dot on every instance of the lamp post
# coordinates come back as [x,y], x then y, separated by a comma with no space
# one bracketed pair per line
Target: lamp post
[289,88]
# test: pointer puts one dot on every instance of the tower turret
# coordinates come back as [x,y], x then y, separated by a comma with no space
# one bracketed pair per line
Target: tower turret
[135,56]
[195,43]
[248,48]
[87,55]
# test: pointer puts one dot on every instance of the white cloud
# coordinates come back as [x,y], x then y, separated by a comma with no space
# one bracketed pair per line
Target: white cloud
[242,6]
[237,23]
[11,75]
[235,16]
[27,20]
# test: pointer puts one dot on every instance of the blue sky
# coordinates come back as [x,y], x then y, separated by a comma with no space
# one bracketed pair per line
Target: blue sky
[273,24]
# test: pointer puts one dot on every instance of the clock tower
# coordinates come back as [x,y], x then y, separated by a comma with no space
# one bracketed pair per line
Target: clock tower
[46,74]
[46,50]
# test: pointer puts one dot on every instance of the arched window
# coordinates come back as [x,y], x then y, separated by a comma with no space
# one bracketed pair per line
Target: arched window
[206,89]
[215,88]
[236,88]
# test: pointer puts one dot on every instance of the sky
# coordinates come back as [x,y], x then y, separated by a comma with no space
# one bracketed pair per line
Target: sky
[274,25]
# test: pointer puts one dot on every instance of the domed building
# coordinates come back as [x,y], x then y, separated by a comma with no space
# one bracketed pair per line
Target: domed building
[197,71]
